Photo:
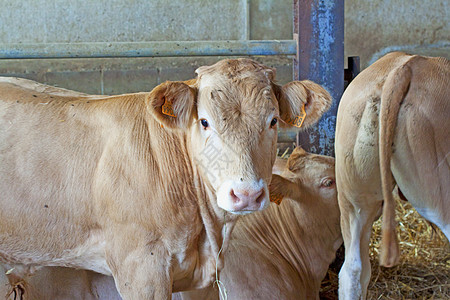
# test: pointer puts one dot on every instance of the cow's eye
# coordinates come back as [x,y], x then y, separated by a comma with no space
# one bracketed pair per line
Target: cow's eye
[327,182]
[273,122]
[204,123]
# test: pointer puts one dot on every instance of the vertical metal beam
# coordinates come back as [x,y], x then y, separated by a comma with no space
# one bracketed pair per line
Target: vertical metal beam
[319,32]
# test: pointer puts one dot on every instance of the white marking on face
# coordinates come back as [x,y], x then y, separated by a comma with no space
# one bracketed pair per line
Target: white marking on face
[217,159]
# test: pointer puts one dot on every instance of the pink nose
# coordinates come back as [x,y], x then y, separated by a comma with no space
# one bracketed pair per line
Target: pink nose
[246,199]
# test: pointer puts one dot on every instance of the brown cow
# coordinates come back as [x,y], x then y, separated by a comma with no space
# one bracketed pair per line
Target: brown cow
[141,186]
[392,128]
[282,253]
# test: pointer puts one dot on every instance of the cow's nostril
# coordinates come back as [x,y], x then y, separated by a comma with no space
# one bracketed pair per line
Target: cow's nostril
[260,197]
[234,197]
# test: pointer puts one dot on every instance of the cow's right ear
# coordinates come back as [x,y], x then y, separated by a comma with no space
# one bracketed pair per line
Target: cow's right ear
[172,103]
[281,187]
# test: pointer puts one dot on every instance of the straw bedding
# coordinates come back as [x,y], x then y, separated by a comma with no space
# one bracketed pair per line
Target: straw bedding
[424,268]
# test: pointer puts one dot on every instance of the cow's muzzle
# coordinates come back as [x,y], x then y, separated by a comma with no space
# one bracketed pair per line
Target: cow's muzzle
[243,197]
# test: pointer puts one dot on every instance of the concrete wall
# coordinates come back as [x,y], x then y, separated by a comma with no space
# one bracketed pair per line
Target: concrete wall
[47,21]
[376,27]
[372,28]
[42,21]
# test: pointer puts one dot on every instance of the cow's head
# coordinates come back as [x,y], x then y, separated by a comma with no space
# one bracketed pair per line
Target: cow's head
[306,176]
[309,179]
[231,113]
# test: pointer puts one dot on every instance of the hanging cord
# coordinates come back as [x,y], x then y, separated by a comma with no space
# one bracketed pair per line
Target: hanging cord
[220,285]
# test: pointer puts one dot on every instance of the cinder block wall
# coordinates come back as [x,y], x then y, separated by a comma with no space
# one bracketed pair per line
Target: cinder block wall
[110,76]
[372,28]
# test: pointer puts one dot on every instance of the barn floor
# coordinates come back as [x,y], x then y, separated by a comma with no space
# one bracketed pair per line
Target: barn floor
[424,269]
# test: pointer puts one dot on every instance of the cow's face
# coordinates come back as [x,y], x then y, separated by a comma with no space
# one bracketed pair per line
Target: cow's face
[311,174]
[231,113]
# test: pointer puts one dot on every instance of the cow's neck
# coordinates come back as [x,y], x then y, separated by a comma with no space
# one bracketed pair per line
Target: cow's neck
[218,224]
[278,229]
[193,200]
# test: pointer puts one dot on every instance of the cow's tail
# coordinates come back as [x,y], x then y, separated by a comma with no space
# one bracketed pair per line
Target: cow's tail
[394,91]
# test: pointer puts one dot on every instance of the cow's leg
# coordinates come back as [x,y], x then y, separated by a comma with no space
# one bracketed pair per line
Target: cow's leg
[141,270]
[140,276]
[356,223]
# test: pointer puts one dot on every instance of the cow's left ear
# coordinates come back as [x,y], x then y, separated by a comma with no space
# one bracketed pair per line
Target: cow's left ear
[297,160]
[172,103]
[280,188]
[302,103]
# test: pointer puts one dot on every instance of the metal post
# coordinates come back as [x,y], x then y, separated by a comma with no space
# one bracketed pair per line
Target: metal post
[319,32]
[353,69]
